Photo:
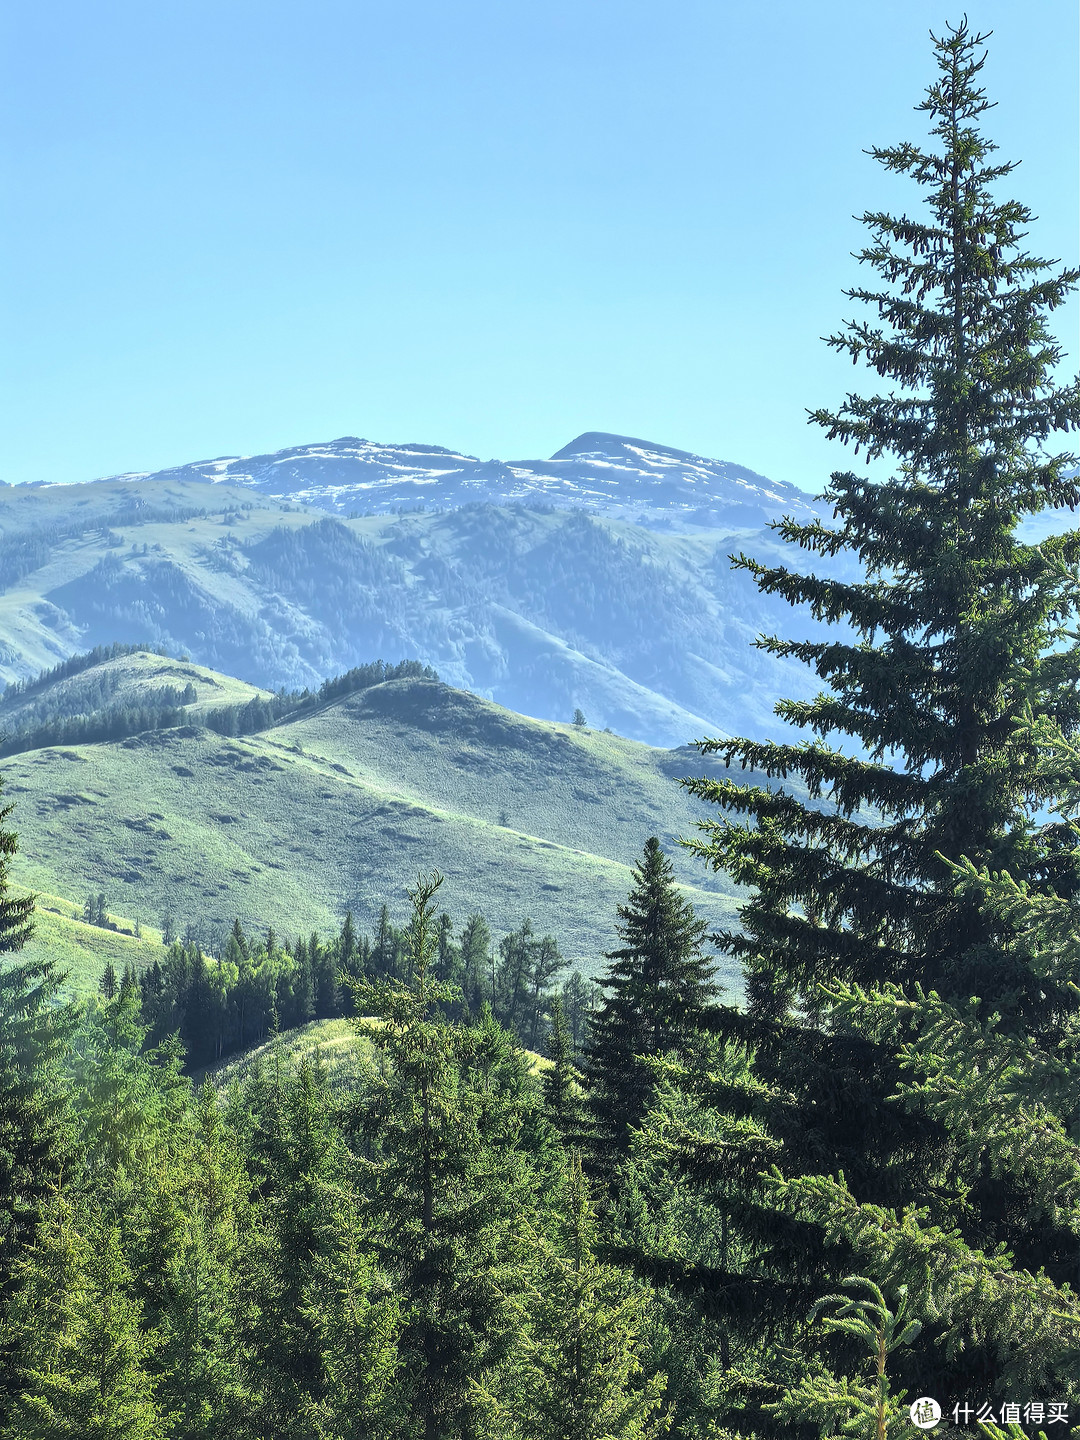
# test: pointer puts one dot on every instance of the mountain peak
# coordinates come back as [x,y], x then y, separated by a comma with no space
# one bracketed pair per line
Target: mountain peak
[601,443]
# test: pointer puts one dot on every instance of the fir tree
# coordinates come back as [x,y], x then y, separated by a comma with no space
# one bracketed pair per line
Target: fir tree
[658,983]
[476,963]
[585,1380]
[448,964]
[299,1163]
[200,1200]
[952,662]
[446,1191]
[34,1034]
[357,1320]
[383,952]
[561,1098]
[91,1381]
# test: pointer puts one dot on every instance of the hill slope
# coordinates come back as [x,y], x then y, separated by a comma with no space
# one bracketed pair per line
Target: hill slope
[340,809]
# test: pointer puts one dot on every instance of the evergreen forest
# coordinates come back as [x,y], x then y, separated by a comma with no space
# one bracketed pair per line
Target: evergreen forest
[542,1209]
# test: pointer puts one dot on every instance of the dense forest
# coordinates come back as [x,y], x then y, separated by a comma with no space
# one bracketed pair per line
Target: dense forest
[835,1210]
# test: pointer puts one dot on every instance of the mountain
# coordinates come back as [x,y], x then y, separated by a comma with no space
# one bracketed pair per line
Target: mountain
[338,809]
[541,609]
[613,475]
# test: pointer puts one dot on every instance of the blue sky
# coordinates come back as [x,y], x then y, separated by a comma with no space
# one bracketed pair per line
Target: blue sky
[492,224]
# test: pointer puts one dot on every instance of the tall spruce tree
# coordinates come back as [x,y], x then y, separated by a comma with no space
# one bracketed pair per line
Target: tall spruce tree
[447,1193]
[656,987]
[562,1100]
[34,1030]
[953,660]
[583,1377]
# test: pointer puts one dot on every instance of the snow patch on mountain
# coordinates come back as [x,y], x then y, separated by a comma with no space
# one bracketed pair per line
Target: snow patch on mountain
[613,475]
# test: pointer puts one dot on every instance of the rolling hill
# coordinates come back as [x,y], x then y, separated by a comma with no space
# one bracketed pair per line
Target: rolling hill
[340,808]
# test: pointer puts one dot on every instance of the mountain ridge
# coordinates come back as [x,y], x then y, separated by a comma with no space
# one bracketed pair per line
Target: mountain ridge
[613,474]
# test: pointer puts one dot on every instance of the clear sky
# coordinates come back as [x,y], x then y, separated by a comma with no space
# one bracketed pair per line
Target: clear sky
[235,225]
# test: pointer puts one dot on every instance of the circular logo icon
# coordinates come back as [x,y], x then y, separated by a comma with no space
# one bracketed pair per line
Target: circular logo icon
[925,1413]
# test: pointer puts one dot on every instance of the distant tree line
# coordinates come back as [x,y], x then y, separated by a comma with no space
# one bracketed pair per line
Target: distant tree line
[86,717]
[75,665]
[158,709]
[254,987]
[258,713]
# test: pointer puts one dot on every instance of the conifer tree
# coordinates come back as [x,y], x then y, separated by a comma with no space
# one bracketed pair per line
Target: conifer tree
[656,986]
[324,978]
[476,963]
[579,1000]
[298,1159]
[34,1034]
[91,1382]
[513,978]
[585,1378]
[446,1193]
[383,952]
[201,1196]
[357,1319]
[561,1099]
[952,662]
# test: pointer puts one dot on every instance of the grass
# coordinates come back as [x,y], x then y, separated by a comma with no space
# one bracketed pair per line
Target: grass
[82,951]
[335,1045]
[340,810]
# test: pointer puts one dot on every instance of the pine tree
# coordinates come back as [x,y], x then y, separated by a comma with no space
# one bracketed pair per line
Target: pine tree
[658,983]
[952,662]
[446,1194]
[585,1379]
[91,1380]
[34,1035]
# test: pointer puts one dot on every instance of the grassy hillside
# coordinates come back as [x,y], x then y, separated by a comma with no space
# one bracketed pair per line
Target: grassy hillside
[334,1044]
[339,810]
[82,951]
